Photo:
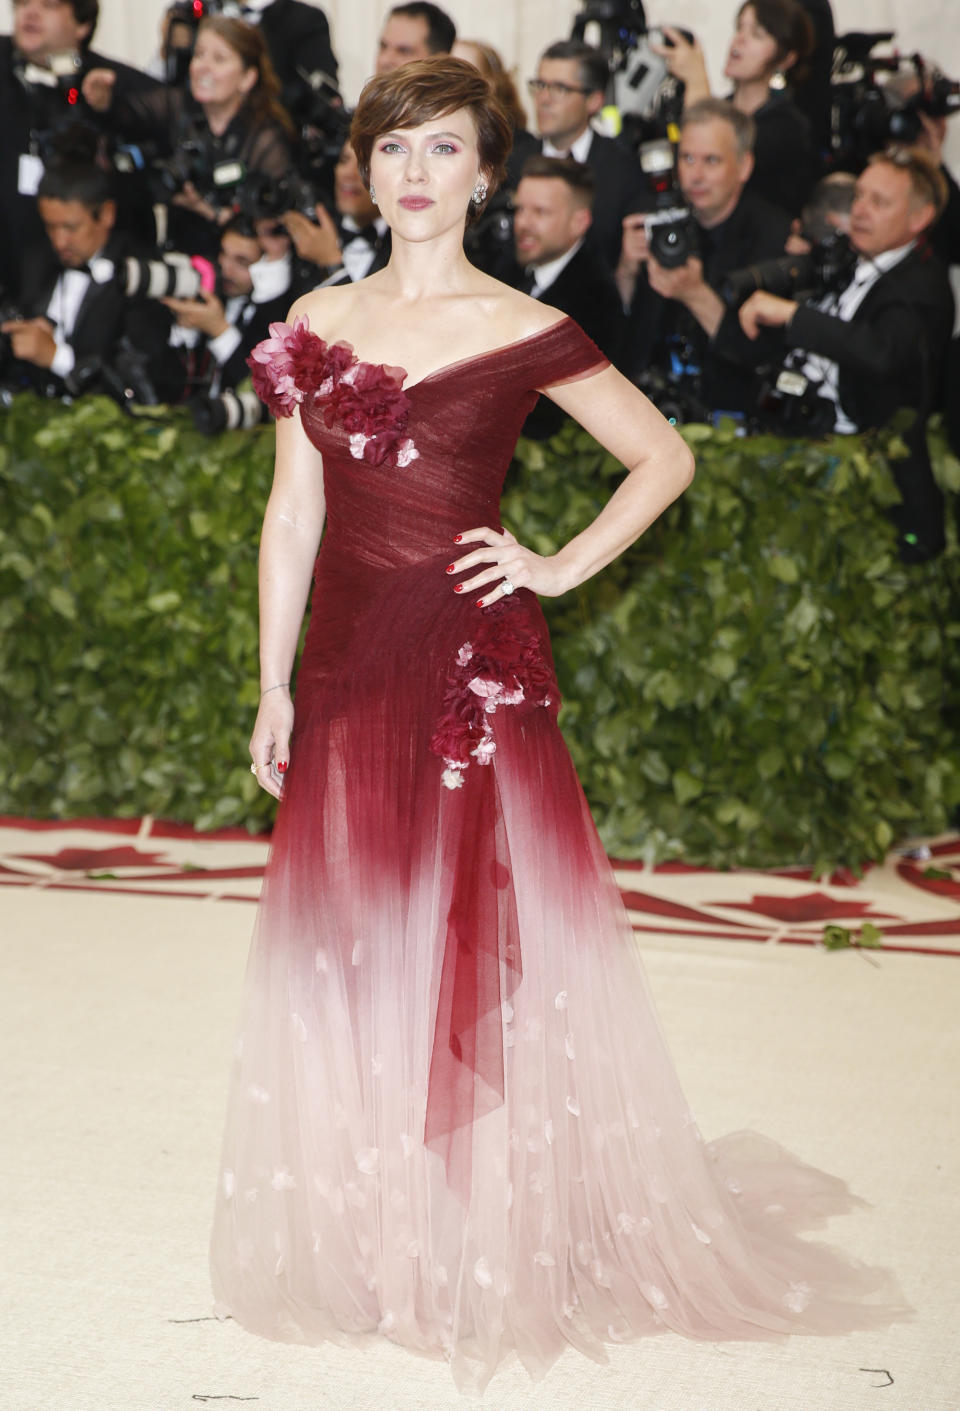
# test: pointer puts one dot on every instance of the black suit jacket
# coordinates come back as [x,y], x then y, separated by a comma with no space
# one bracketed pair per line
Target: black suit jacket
[111,329]
[786,164]
[27,114]
[754,231]
[585,290]
[621,189]
[889,355]
[253,323]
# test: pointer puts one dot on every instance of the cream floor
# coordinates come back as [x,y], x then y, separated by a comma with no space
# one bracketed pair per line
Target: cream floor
[116,1021]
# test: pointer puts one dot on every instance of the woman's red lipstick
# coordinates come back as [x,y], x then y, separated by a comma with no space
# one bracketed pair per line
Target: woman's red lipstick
[415,203]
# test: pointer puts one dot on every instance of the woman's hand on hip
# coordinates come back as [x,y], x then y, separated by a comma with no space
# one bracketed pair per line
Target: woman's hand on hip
[499,564]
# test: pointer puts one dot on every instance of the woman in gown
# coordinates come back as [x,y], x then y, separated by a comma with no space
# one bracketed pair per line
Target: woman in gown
[453,1118]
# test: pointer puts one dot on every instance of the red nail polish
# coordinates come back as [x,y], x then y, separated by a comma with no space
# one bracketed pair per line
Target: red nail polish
[457,538]
[451,567]
[458,587]
[479,602]
[282,766]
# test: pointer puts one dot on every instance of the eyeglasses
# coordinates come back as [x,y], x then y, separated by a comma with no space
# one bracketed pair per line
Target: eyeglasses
[555,90]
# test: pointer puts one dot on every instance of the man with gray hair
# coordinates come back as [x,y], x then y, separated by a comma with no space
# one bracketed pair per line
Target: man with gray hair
[676,310]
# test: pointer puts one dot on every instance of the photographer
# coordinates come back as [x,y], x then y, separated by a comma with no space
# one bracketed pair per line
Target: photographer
[675,311]
[772,41]
[354,244]
[230,124]
[216,331]
[79,330]
[568,91]
[556,262]
[877,344]
[41,68]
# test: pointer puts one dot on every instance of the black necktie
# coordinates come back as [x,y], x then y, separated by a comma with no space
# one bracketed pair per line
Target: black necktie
[529,281]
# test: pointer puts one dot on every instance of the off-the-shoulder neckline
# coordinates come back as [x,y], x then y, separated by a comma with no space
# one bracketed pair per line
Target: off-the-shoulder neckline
[487,353]
[460,362]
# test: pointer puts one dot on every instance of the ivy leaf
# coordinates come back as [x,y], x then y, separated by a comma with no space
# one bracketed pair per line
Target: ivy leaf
[870,935]
[686,787]
[783,568]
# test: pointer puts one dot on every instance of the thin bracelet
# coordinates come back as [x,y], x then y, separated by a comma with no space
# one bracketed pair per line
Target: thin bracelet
[279,686]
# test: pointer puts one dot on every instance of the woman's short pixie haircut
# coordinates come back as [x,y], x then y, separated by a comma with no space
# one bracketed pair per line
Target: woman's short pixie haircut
[426,89]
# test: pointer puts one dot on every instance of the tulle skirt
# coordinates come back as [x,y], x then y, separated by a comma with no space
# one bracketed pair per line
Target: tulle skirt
[453,1119]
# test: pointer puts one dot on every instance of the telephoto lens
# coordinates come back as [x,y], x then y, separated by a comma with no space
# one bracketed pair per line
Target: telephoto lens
[231,411]
[175,277]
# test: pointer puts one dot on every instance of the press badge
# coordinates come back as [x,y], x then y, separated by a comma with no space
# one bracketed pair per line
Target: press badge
[228,173]
[29,174]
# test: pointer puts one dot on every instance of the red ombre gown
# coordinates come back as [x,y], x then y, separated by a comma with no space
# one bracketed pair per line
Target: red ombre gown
[453,1118]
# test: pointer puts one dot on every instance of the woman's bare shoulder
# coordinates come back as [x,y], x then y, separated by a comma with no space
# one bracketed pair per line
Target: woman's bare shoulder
[323,308]
[522,315]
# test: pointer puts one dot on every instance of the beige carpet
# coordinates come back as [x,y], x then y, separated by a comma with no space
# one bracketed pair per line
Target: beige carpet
[117,1013]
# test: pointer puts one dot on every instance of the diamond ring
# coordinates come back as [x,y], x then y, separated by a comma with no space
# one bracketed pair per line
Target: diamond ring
[506,586]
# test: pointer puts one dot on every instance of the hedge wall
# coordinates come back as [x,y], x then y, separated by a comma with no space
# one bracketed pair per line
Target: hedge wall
[758,681]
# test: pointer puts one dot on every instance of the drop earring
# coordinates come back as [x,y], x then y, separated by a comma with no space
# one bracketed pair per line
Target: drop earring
[479,192]
[373,194]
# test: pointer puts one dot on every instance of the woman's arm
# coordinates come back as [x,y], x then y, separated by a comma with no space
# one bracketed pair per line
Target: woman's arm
[292,526]
[147,114]
[266,149]
[660,466]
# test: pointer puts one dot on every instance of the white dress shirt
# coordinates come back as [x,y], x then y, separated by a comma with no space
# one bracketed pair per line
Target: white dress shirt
[579,150]
[356,252]
[64,306]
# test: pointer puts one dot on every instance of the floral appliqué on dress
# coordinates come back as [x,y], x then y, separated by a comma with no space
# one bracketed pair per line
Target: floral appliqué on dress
[503,665]
[366,398]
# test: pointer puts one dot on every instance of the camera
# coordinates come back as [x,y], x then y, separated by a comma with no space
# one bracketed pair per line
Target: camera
[648,97]
[825,269]
[183,21]
[789,404]
[228,412]
[488,240]
[176,276]
[193,162]
[674,394]
[263,197]
[672,233]
[877,98]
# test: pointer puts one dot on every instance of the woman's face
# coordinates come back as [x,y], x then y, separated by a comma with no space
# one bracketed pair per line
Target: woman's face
[424,176]
[218,75]
[753,50]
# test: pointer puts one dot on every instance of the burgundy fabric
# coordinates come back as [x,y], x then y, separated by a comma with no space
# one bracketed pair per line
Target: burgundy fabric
[382,644]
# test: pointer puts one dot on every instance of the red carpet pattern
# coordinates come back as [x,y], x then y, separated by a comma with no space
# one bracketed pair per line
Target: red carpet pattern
[913,898]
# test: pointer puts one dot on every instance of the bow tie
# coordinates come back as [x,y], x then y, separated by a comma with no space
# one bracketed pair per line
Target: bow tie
[368,233]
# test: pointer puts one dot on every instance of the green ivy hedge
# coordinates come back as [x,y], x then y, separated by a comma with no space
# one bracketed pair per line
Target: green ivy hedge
[758,681]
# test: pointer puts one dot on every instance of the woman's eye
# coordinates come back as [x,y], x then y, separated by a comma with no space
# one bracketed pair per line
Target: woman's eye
[444,147]
[391,147]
